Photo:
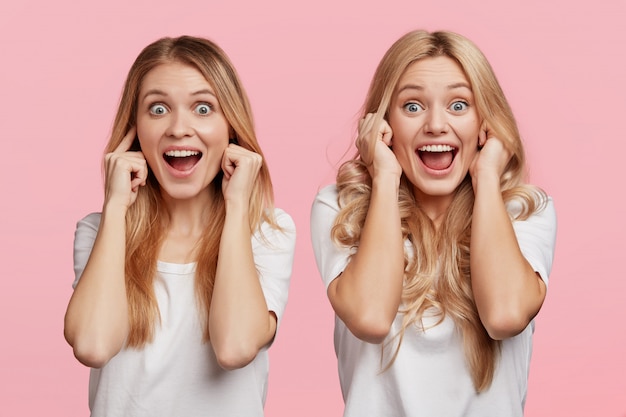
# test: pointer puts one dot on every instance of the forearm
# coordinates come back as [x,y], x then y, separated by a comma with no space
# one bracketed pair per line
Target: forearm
[507,291]
[96,321]
[239,321]
[366,296]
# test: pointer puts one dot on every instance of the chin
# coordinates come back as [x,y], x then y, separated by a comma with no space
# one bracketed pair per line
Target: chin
[437,187]
[182,191]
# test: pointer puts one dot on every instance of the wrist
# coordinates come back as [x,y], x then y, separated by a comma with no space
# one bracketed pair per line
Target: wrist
[386,180]
[112,209]
[237,209]
[486,179]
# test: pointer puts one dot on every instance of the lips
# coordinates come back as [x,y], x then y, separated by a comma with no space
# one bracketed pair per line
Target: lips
[182,160]
[437,157]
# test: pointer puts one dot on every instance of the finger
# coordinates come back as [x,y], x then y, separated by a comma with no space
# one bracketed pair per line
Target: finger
[228,163]
[140,173]
[234,146]
[386,133]
[127,141]
[365,124]
[242,156]
[137,182]
[134,186]
[362,124]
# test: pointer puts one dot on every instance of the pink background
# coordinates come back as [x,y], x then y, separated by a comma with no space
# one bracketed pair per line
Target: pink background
[307,67]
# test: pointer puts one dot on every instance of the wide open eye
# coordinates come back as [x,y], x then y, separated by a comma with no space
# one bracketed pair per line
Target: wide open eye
[158,109]
[458,106]
[413,107]
[203,109]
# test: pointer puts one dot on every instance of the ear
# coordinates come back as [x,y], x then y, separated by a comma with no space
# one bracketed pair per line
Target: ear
[482,134]
[136,146]
[232,136]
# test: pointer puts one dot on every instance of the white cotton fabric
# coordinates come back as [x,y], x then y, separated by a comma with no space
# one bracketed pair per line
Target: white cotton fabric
[429,376]
[177,374]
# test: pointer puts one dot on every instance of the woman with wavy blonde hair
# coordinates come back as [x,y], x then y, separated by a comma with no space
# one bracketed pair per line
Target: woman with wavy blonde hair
[434,252]
[182,280]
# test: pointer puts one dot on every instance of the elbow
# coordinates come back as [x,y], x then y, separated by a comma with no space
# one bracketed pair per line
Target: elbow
[367,322]
[90,355]
[88,352]
[505,324]
[231,358]
[370,329]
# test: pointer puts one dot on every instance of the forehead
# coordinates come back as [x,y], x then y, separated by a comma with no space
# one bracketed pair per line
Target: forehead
[175,76]
[433,72]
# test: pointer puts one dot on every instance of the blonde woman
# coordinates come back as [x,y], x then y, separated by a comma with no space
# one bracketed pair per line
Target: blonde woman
[182,280]
[434,252]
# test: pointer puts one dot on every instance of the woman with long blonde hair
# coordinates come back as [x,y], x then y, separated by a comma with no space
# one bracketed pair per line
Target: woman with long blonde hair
[182,280]
[434,252]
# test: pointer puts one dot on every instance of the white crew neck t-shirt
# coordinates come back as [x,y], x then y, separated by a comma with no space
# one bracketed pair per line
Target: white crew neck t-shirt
[177,374]
[429,377]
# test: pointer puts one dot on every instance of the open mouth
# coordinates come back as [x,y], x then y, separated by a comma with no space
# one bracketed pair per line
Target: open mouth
[437,157]
[182,160]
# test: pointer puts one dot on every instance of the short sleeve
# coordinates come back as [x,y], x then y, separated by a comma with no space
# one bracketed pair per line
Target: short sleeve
[84,238]
[331,259]
[536,237]
[273,252]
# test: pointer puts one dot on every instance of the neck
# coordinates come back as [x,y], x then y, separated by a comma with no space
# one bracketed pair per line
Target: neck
[185,227]
[187,217]
[435,207]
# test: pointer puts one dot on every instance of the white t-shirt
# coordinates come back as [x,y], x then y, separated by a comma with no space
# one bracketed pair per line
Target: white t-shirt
[429,376]
[177,374]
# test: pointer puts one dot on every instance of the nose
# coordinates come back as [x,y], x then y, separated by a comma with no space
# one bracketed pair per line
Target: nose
[436,121]
[179,125]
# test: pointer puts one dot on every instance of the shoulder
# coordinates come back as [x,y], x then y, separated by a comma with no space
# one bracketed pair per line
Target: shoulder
[536,236]
[90,221]
[544,204]
[87,229]
[542,218]
[84,239]
[284,220]
[277,222]
[328,196]
[324,211]
[325,205]
[546,211]
[278,232]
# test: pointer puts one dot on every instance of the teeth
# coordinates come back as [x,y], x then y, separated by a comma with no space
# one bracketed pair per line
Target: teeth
[435,148]
[181,154]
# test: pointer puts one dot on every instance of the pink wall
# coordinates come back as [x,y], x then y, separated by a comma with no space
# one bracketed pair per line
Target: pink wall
[307,68]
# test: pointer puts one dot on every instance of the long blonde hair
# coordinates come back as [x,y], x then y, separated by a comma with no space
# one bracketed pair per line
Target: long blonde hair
[437,270]
[145,218]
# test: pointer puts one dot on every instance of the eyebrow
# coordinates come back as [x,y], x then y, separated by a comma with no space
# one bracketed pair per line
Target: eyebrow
[157,92]
[420,88]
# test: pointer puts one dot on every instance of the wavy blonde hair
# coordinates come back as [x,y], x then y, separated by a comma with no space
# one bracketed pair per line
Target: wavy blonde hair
[145,218]
[437,270]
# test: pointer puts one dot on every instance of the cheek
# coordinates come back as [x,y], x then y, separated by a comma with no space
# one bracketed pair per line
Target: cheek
[471,154]
[403,144]
[215,133]
[468,133]
[470,125]
[145,134]
[146,145]
[402,132]
[470,145]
